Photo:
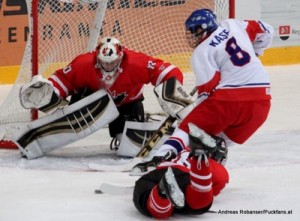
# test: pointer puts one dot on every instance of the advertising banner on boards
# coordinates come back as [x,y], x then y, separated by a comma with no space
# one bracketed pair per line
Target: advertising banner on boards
[284,16]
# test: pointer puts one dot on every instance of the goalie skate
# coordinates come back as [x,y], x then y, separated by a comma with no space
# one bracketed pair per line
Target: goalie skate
[169,187]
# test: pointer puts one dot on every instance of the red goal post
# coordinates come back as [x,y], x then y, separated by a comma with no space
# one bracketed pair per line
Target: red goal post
[61,29]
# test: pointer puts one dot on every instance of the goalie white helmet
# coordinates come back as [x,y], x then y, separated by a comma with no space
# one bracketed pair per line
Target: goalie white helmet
[109,58]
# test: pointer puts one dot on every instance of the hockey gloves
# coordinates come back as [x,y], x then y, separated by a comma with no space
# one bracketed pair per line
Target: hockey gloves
[145,167]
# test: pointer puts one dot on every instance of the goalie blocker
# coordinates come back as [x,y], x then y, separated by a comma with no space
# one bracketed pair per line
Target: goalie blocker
[173,98]
[66,125]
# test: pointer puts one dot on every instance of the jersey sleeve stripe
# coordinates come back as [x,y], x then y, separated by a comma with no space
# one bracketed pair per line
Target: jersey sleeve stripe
[58,81]
[263,26]
[163,74]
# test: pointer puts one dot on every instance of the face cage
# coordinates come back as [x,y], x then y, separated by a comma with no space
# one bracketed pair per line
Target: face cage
[110,67]
[194,38]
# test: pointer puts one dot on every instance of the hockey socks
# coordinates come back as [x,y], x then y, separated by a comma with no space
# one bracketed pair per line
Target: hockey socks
[199,193]
[165,196]
[159,206]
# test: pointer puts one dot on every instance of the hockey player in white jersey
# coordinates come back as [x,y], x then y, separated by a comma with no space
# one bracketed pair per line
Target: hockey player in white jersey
[233,87]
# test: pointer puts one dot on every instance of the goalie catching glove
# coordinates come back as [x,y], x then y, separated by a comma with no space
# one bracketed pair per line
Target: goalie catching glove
[173,99]
[39,94]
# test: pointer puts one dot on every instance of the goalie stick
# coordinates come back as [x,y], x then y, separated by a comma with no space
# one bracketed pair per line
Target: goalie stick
[145,150]
[124,167]
[161,131]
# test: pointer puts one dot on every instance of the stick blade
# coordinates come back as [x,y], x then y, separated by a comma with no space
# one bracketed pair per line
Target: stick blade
[124,167]
[107,188]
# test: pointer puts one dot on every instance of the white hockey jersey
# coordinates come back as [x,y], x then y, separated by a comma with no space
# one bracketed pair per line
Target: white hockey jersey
[226,65]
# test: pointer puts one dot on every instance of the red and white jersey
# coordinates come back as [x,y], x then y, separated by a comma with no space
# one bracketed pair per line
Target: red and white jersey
[136,70]
[226,65]
[181,161]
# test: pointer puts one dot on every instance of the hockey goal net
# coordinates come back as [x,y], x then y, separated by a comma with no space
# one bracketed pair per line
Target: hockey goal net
[61,29]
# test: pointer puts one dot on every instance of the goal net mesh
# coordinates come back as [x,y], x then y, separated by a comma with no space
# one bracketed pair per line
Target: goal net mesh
[67,28]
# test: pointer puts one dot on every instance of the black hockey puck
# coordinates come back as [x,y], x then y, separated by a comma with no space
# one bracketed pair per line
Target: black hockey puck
[98,191]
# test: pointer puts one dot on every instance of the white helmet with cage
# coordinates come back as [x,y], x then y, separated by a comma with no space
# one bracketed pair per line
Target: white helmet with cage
[109,58]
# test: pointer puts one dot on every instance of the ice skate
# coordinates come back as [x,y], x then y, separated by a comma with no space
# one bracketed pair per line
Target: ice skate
[200,141]
[168,186]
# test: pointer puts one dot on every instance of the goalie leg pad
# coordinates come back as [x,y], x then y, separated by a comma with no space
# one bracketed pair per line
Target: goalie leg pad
[136,135]
[66,125]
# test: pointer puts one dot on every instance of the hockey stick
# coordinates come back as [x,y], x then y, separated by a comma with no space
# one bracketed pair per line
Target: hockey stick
[161,131]
[107,188]
[124,167]
[194,91]
[145,150]
[117,190]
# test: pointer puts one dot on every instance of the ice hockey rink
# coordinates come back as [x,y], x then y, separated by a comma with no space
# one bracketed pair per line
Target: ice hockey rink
[264,173]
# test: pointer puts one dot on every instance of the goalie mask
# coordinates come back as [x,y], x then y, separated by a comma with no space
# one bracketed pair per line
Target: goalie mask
[109,58]
[199,25]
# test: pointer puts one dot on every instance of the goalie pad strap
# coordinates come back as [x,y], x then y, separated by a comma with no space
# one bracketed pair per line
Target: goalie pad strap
[66,125]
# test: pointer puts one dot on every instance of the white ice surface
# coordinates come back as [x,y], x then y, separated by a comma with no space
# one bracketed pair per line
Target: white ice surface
[264,173]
